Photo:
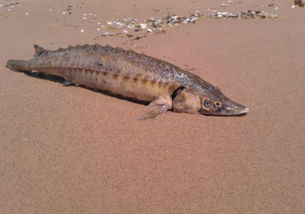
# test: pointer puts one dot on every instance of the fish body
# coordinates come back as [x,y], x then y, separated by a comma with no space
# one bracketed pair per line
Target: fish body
[132,75]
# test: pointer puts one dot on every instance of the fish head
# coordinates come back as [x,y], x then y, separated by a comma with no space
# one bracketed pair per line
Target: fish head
[214,102]
[209,101]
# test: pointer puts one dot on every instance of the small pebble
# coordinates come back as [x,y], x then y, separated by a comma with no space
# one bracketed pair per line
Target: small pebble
[85,14]
[1,5]
[143,26]
[82,30]
[125,31]
[63,12]
[130,26]
[84,17]
[27,13]
[107,34]
[120,24]
[98,29]
[50,9]
[292,6]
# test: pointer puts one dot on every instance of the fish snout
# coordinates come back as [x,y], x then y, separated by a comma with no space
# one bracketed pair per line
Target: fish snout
[234,109]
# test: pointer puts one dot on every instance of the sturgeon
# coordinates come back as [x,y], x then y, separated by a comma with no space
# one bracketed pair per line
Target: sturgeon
[132,75]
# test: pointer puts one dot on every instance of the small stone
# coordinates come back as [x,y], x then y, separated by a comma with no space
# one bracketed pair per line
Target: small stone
[64,12]
[98,29]
[27,13]
[84,17]
[130,26]
[120,24]
[82,30]
[143,26]
[50,9]
[292,6]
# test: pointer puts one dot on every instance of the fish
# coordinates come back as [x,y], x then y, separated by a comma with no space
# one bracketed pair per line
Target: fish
[164,86]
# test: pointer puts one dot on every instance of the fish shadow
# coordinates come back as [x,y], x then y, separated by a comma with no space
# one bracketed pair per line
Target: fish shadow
[61,80]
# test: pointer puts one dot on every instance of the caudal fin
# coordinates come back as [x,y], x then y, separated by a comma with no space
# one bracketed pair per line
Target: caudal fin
[17,65]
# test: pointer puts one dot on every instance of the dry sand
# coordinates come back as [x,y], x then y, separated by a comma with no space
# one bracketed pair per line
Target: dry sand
[72,150]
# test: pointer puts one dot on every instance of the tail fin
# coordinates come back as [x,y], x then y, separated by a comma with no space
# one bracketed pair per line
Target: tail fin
[17,65]
[39,50]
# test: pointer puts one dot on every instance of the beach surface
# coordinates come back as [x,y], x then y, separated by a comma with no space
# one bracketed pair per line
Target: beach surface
[73,150]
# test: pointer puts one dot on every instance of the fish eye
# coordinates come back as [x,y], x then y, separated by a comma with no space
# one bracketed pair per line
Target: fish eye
[217,104]
[207,103]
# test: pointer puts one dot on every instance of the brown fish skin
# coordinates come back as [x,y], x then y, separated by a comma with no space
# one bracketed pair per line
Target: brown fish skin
[132,75]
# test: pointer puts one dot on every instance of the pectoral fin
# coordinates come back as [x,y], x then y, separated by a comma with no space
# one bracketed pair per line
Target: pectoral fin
[157,107]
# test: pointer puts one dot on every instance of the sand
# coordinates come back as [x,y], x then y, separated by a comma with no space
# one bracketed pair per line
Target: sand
[72,150]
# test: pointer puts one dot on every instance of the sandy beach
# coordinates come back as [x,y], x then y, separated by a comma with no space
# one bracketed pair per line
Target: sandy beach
[73,150]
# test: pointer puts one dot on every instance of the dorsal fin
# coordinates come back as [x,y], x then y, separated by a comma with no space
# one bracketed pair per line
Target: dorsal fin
[39,50]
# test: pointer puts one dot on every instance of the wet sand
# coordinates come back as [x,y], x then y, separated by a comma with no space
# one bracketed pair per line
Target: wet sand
[72,150]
